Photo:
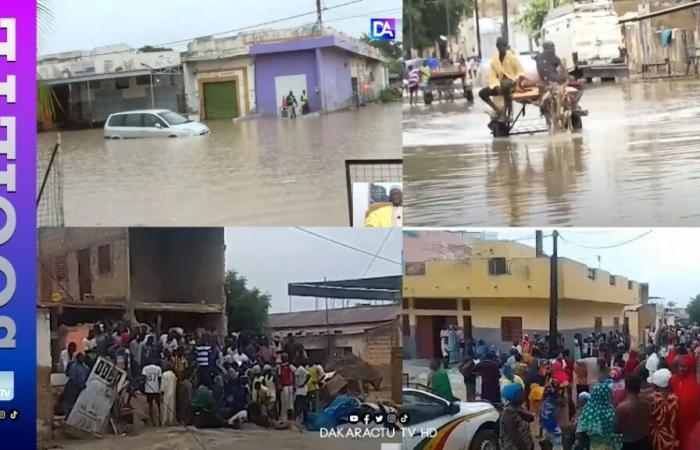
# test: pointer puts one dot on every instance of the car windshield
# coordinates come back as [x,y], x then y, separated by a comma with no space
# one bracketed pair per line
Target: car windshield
[173,118]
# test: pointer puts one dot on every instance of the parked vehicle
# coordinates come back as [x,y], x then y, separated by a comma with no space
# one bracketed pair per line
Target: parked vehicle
[459,425]
[151,123]
[588,36]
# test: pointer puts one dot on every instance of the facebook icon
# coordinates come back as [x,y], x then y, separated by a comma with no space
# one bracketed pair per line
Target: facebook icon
[382,29]
[7,386]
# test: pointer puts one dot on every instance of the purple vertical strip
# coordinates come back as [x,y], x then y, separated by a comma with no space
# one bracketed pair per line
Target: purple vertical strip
[18,248]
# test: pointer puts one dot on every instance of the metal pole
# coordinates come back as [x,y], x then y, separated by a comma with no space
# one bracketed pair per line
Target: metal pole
[504,5]
[554,295]
[318,13]
[478,27]
[410,28]
[449,28]
[153,100]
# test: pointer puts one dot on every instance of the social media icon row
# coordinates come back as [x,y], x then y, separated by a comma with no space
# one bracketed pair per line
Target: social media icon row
[379,418]
[12,414]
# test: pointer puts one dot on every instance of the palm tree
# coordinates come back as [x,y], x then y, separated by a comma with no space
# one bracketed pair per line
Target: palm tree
[46,101]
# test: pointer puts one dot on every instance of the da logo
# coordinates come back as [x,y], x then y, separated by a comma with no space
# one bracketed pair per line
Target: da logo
[382,29]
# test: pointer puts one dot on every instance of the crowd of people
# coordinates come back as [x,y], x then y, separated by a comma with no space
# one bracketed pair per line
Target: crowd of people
[199,378]
[601,393]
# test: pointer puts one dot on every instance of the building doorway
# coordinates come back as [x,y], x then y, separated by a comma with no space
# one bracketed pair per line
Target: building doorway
[221,99]
[428,334]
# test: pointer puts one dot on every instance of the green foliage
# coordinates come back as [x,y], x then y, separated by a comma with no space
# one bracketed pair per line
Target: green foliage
[430,20]
[246,307]
[390,94]
[46,101]
[693,309]
[151,49]
[534,16]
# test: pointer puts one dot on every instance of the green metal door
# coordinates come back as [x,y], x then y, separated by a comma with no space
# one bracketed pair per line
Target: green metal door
[221,100]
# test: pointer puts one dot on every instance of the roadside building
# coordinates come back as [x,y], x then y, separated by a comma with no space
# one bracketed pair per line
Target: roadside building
[365,331]
[499,290]
[91,85]
[335,70]
[676,316]
[219,77]
[640,320]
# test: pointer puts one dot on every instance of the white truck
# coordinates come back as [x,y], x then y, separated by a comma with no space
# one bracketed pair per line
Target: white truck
[588,36]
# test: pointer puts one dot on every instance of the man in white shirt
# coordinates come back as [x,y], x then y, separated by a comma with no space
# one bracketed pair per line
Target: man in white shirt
[151,387]
[301,378]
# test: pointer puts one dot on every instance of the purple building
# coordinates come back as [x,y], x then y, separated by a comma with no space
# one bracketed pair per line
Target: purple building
[335,73]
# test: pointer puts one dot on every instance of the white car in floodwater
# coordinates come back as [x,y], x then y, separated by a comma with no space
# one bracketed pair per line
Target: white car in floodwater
[436,424]
[149,123]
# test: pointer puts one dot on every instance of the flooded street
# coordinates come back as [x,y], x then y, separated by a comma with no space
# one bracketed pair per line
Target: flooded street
[637,162]
[263,172]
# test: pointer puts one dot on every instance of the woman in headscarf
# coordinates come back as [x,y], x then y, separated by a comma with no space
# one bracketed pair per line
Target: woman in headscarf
[596,425]
[515,420]
[632,363]
[509,377]
[663,409]
[685,386]
[552,412]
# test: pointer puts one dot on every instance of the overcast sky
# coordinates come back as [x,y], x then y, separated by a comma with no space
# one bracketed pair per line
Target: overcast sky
[85,24]
[667,258]
[272,257]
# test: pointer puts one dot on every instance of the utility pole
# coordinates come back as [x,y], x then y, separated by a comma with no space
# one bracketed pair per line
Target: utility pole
[554,294]
[478,27]
[318,14]
[539,245]
[504,6]
[410,29]
[449,30]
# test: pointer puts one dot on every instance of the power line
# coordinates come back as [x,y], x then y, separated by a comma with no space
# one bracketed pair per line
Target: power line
[603,247]
[374,258]
[270,22]
[348,246]
[363,15]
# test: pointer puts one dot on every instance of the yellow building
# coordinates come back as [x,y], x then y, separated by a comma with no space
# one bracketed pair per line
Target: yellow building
[499,290]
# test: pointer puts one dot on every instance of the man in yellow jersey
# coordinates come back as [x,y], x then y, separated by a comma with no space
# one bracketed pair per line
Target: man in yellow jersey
[505,74]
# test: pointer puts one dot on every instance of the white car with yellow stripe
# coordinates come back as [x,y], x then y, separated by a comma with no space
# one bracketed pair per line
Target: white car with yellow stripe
[436,424]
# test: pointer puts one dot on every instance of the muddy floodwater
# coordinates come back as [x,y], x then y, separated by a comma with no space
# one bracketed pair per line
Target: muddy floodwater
[636,163]
[258,172]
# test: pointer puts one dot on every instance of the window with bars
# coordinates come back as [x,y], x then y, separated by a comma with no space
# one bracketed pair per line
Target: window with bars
[592,273]
[511,329]
[616,323]
[415,268]
[498,266]
[598,325]
[60,268]
[104,258]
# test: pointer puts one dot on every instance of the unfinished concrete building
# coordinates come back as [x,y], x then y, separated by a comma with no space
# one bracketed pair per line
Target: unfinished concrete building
[161,276]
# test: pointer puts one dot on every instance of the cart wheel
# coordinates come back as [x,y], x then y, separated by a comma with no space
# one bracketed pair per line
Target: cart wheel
[576,123]
[469,94]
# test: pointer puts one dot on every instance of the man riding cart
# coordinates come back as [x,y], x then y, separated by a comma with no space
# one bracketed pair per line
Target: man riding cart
[556,97]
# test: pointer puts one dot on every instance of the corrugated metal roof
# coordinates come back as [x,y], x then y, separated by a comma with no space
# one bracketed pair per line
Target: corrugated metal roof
[342,316]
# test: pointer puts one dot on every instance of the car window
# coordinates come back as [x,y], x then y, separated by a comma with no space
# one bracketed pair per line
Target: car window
[117,120]
[133,120]
[150,120]
[173,118]
[421,407]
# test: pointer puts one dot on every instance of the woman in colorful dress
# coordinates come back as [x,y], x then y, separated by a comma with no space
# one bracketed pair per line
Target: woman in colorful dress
[515,420]
[596,425]
[685,386]
[663,409]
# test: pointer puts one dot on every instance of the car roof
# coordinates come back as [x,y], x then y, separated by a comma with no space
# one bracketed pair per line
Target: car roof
[142,111]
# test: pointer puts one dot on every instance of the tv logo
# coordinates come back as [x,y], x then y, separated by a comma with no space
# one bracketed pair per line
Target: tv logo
[7,386]
[382,29]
